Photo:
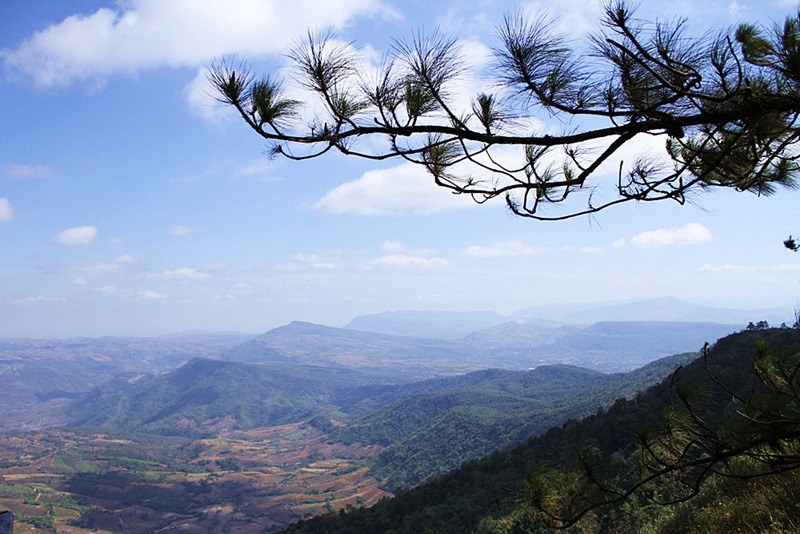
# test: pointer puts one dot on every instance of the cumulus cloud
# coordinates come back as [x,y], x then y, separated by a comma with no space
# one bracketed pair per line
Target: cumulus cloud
[182,274]
[79,235]
[502,249]
[690,234]
[140,34]
[406,189]
[6,210]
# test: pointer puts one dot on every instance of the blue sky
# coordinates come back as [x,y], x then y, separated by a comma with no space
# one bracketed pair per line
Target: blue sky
[132,204]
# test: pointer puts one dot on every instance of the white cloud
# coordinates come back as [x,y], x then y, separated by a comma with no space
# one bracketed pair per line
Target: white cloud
[6,210]
[689,234]
[182,274]
[393,246]
[148,294]
[619,243]
[574,18]
[502,249]
[26,172]
[119,264]
[406,189]
[79,235]
[78,281]
[405,261]
[179,229]
[140,34]
[202,101]
[315,262]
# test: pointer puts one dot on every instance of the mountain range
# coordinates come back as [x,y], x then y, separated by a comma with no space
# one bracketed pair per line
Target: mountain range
[421,428]
[363,404]
[516,345]
[454,325]
[39,375]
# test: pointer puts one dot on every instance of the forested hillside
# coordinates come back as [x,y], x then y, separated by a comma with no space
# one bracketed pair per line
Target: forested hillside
[199,396]
[421,429]
[433,429]
[489,495]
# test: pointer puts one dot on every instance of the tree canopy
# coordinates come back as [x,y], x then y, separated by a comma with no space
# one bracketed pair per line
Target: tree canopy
[723,108]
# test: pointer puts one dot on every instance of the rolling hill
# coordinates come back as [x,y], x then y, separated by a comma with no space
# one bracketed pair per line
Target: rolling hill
[431,430]
[40,375]
[422,428]
[484,495]
[205,395]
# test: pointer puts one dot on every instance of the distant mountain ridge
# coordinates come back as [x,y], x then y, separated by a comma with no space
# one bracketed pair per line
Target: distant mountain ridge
[673,309]
[312,344]
[452,325]
[41,374]
[430,324]
[523,344]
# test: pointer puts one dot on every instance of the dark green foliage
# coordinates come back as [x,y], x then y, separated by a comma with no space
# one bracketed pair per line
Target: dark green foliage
[209,391]
[486,493]
[737,416]
[431,431]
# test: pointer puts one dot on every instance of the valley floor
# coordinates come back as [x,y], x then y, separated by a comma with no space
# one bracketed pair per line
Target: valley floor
[253,481]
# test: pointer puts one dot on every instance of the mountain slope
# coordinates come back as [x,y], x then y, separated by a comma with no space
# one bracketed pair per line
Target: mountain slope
[310,344]
[626,345]
[40,375]
[424,428]
[206,393]
[483,491]
[431,432]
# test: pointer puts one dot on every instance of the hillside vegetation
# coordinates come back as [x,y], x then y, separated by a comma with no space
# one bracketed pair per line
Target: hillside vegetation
[429,432]
[423,428]
[488,495]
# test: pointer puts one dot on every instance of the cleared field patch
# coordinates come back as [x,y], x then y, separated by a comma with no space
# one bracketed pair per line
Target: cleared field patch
[243,481]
